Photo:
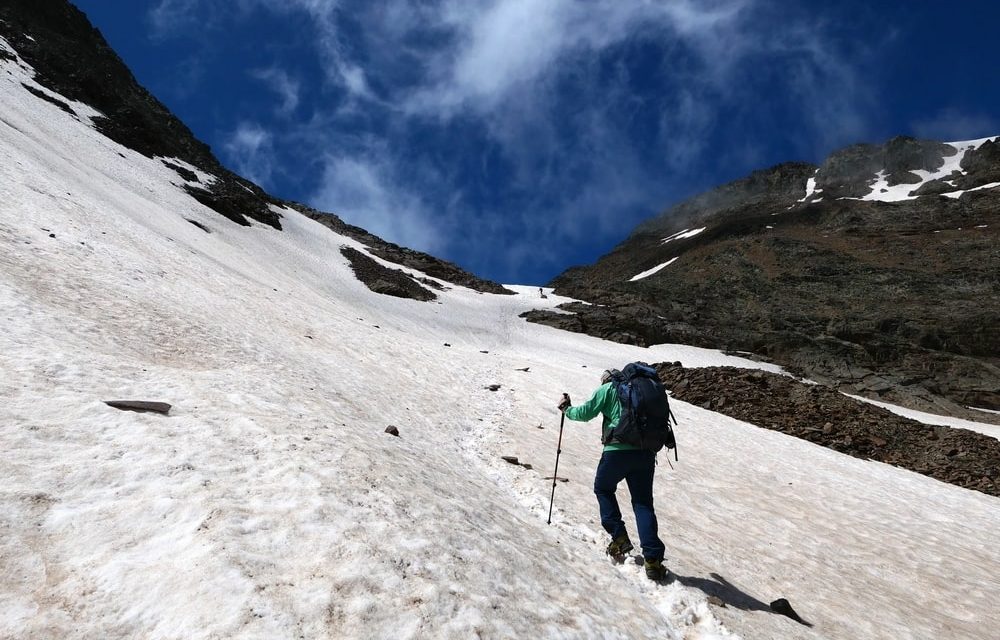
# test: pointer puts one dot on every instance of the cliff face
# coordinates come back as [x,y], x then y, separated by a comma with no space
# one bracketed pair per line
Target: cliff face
[877,272]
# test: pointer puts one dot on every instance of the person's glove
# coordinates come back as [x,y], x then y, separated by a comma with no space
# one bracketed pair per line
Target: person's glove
[565,402]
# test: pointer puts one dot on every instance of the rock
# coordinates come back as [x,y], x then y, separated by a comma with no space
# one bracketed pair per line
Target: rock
[783,607]
[522,369]
[824,416]
[392,430]
[510,459]
[447,344]
[493,387]
[382,279]
[716,601]
[139,406]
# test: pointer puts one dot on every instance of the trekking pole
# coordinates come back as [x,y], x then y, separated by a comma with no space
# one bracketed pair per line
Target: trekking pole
[555,473]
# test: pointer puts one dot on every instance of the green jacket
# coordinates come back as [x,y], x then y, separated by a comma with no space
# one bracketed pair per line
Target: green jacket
[604,401]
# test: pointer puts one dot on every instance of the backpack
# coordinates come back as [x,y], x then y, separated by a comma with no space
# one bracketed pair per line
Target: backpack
[645,409]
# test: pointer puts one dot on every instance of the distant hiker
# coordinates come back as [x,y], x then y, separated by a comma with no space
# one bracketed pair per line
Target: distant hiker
[540,292]
[621,461]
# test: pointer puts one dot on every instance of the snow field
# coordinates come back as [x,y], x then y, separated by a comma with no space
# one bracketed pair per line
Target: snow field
[270,504]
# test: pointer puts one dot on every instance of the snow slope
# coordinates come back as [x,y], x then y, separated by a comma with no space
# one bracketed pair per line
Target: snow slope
[882,191]
[271,504]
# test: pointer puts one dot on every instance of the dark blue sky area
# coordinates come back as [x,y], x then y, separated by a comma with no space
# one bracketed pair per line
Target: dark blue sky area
[520,138]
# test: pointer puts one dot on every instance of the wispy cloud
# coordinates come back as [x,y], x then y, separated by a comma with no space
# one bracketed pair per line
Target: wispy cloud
[328,39]
[171,17]
[501,49]
[556,96]
[367,192]
[251,150]
[283,84]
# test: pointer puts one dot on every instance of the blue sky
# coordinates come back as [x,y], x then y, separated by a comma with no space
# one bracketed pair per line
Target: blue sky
[520,137]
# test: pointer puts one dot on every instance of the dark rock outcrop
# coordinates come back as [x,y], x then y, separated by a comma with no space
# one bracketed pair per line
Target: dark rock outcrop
[982,166]
[382,279]
[851,171]
[828,418]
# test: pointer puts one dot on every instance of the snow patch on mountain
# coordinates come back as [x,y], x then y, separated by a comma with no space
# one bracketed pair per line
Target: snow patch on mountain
[686,233]
[958,194]
[810,188]
[991,430]
[649,272]
[883,192]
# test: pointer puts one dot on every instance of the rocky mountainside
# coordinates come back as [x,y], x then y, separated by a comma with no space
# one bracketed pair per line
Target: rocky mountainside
[70,57]
[831,419]
[877,272]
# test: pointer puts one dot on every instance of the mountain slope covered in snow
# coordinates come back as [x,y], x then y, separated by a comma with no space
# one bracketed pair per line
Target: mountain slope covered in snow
[270,502]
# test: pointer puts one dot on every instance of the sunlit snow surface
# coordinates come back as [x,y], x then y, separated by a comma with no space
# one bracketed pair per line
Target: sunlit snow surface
[680,235]
[271,504]
[649,272]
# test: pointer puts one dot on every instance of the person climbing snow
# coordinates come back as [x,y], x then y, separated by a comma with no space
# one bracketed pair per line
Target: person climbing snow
[621,461]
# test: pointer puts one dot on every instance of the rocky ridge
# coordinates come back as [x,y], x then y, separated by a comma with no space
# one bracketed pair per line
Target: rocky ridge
[830,419]
[895,299]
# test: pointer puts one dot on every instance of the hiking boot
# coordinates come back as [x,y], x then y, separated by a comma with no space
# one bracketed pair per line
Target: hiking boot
[620,546]
[655,569]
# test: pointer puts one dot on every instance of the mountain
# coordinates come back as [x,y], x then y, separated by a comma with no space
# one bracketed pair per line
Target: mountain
[272,499]
[875,272]
[70,58]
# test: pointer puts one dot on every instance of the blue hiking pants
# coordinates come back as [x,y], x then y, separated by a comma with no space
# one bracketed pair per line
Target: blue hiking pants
[636,468]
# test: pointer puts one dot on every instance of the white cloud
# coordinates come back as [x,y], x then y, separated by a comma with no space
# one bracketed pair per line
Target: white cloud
[327,39]
[284,85]
[508,47]
[170,17]
[499,68]
[250,148]
[366,192]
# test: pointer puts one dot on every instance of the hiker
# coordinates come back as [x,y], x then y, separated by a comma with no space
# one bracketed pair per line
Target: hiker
[621,461]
